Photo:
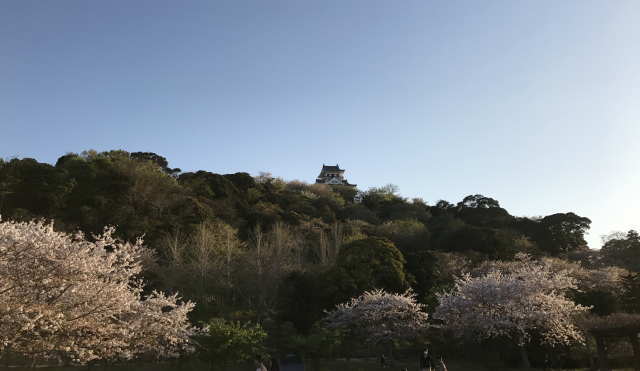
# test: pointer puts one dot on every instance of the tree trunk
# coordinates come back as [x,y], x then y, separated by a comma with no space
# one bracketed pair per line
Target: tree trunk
[635,344]
[603,364]
[524,358]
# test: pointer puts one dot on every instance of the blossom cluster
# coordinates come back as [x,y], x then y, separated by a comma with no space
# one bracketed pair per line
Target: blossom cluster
[514,300]
[380,316]
[73,300]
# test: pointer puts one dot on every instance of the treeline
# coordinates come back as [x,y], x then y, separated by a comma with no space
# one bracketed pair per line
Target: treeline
[140,194]
[281,252]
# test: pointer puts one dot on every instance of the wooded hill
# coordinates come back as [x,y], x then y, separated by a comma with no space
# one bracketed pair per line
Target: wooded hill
[267,249]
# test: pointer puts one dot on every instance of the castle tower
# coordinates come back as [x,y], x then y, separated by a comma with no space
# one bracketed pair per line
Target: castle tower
[332,175]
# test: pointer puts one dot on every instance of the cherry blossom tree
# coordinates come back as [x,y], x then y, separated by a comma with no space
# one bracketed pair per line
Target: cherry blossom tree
[513,300]
[70,300]
[380,317]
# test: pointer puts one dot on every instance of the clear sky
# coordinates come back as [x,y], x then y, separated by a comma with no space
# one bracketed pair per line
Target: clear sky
[534,103]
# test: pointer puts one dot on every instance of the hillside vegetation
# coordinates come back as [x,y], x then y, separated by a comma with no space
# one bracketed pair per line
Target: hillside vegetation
[281,253]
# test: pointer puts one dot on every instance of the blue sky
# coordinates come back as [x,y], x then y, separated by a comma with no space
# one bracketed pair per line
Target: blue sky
[534,103]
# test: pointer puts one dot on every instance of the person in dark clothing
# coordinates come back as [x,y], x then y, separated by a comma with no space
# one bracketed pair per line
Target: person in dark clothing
[383,361]
[274,364]
[425,361]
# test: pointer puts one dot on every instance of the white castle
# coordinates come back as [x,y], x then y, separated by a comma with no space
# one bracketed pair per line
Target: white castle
[332,175]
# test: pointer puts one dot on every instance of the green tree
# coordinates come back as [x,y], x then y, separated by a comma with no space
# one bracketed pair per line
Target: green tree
[228,342]
[478,202]
[111,188]
[556,234]
[631,297]
[623,251]
[564,232]
[156,159]
[368,264]
[29,189]
[302,298]
[482,211]
[406,234]
[494,243]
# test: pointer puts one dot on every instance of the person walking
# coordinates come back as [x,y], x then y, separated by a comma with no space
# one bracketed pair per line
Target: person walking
[425,361]
[442,365]
[274,364]
[383,361]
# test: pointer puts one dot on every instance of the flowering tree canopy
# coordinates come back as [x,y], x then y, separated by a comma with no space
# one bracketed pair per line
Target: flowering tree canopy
[513,300]
[68,299]
[380,316]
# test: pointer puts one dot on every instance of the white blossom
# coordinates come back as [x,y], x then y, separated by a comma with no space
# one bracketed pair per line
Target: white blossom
[72,300]
[380,316]
[513,300]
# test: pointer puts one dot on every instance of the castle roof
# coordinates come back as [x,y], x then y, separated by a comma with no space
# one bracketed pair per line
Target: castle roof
[331,168]
[332,175]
